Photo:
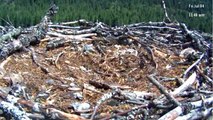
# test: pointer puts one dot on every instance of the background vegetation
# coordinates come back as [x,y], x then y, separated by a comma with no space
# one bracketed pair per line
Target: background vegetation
[113,12]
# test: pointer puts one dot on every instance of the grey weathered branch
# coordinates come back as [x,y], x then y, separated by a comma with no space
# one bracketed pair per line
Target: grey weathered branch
[57,114]
[185,85]
[73,31]
[35,37]
[192,66]
[196,37]
[208,79]
[103,99]
[81,37]
[35,60]
[62,40]
[167,19]
[196,114]
[64,27]
[163,90]
[13,111]
[156,28]
[13,33]
[171,115]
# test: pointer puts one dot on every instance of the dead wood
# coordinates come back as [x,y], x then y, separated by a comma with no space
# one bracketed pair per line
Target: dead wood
[167,19]
[26,40]
[163,90]
[9,35]
[173,114]
[188,83]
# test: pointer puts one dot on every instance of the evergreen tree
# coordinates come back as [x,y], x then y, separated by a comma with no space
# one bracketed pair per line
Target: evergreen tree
[113,12]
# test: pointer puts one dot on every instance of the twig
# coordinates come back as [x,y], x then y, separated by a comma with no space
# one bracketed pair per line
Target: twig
[34,57]
[69,23]
[197,37]
[57,58]
[163,90]
[100,84]
[104,98]
[14,111]
[87,87]
[57,114]
[2,70]
[193,65]
[62,27]
[185,85]
[82,37]
[35,37]
[209,80]
[78,32]
[196,114]
[126,112]
[15,100]
[36,116]
[136,95]
[171,115]
[153,57]
[156,28]
[11,34]
[165,12]
[106,86]
[81,21]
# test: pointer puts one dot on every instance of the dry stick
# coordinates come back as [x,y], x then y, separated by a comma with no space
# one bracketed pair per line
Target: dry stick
[106,86]
[25,40]
[82,37]
[62,27]
[163,90]
[8,106]
[87,87]
[14,111]
[153,57]
[69,23]
[146,24]
[185,85]
[35,60]
[36,116]
[101,85]
[196,114]
[62,115]
[165,12]
[7,36]
[136,95]
[199,39]
[193,65]
[14,100]
[125,112]
[75,22]
[156,28]
[1,27]
[78,32]
[171,115]
[82,111]
[2,70]
[57,58]
[103,98]
[204,76]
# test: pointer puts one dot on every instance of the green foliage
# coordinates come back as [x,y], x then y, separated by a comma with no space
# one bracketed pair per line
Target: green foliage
[113,12]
